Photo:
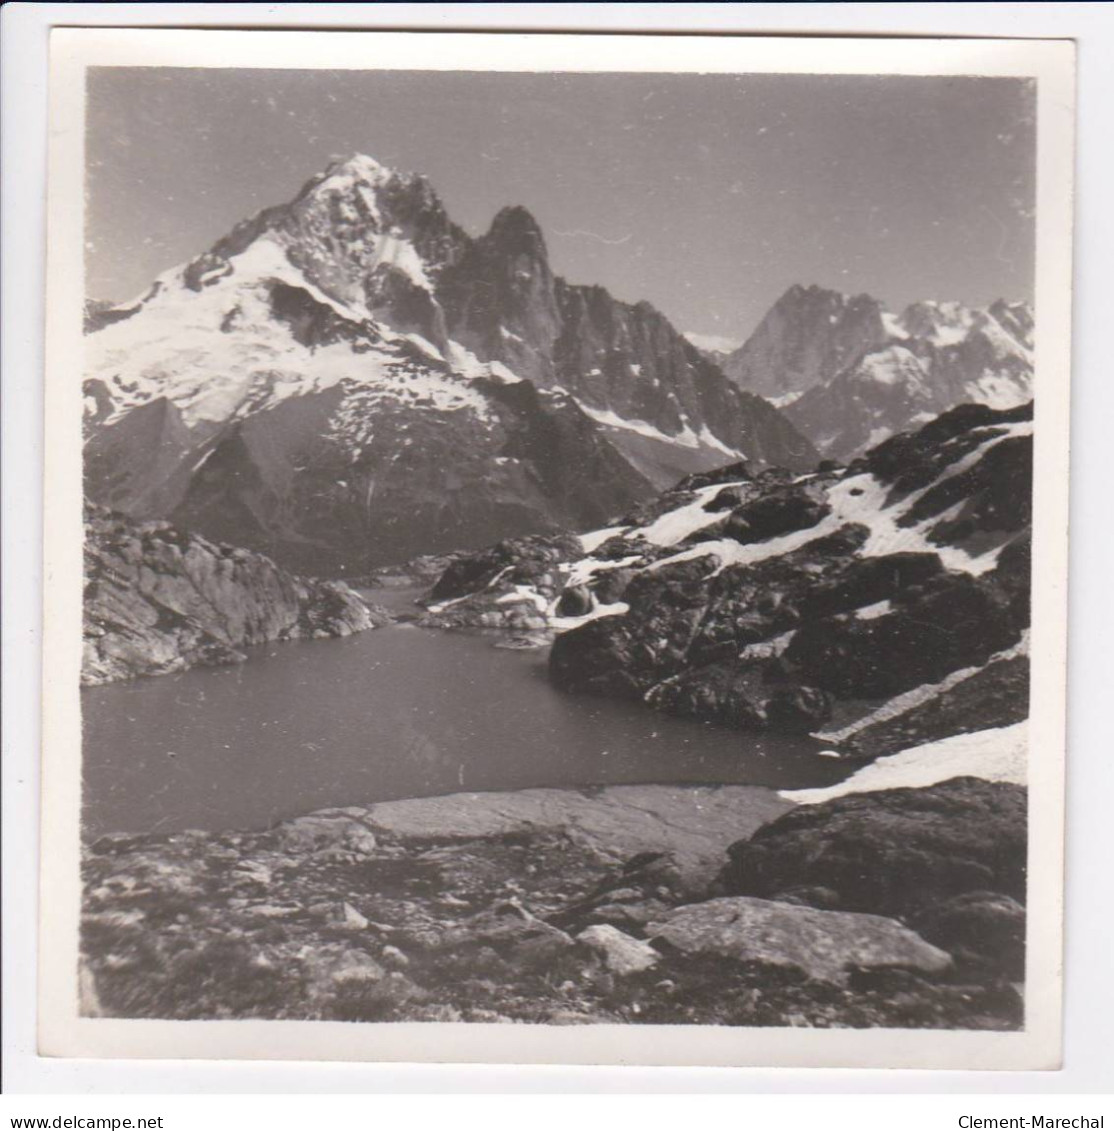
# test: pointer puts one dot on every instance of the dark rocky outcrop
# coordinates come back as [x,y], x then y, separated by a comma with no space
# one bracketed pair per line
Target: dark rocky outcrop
[826,627]
[984,929]
[158,600]
[516,561]
[955,622]
[993,696]
[893,852]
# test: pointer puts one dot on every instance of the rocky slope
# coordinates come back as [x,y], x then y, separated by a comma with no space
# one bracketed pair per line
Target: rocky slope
[880,605]
[349,380]
[621,905]
[849,373]
[158,600]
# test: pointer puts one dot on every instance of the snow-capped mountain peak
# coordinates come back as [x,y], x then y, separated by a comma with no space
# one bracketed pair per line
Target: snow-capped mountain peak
[356,337]
[941,323]
[357,168]
[848,372]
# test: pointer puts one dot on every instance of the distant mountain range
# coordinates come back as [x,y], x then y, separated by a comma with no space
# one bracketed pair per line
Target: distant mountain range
[850,373]
[350,379]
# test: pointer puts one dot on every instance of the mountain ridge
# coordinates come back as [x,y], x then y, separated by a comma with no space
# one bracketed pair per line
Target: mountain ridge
[849,372]
[361,306]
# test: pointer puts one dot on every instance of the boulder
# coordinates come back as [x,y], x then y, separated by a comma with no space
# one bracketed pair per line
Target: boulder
[778,512]
[575,602]
[892,852]
[662,836]
[825,945]
[394,957]
[601,657]
[983,928]
[730,498]
[609,585]
[798,709]
[350,919]
[620,953]
[328,829]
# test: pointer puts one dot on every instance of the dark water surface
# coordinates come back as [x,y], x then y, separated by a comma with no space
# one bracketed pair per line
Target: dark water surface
[396,712]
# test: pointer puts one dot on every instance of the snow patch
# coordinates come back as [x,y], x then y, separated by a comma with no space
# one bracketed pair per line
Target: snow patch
[427,347]
[873,612]
[859,499]
[507,376]
[685,439]
[1000,754]
[563,624]
[524,593]
[728,552]
[596,538]
[713,343]
[581,572]
[914,697]
[676,525]
[786,399]
[894,366]
[711,441]
[1000,390]
[892,325]
[394,250]
[183,346]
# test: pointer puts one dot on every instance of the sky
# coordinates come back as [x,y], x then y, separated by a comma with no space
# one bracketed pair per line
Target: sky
[707,195]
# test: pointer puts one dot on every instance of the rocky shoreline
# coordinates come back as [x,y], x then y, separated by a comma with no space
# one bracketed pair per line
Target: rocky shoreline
[636,904]
[878,606]
[159,600]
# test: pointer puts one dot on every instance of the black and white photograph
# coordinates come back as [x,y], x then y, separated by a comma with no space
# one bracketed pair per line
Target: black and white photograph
[557,548]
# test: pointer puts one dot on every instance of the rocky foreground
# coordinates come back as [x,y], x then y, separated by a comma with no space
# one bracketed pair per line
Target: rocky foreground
[159,600]
[634,904]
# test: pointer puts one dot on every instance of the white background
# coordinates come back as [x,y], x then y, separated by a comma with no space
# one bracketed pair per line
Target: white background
[1089,1036]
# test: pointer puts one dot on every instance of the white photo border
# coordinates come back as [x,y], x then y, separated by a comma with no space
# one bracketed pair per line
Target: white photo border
[62,1032]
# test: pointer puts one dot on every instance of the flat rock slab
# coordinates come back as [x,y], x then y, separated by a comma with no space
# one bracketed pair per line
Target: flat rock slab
[693,823]
[824,944]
